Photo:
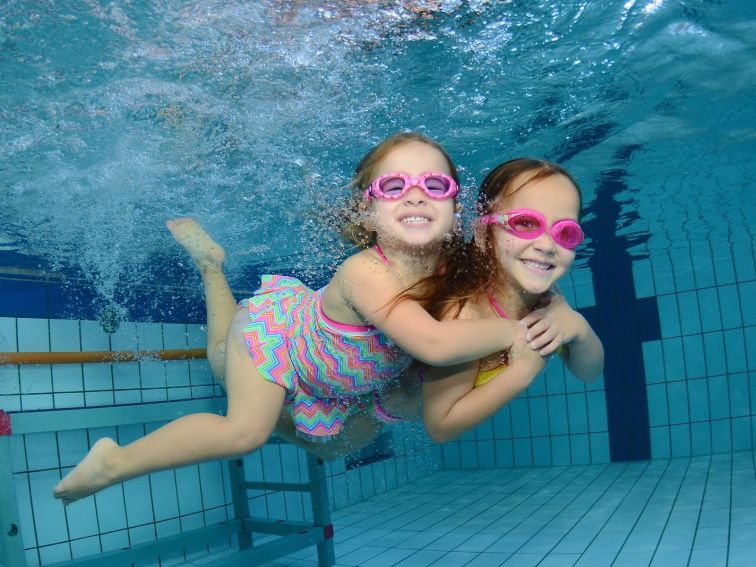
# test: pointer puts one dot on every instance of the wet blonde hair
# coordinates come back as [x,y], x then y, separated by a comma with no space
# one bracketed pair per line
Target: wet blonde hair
[352,216]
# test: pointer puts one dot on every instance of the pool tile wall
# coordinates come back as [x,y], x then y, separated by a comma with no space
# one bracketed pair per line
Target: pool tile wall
[166,502]
[701,373]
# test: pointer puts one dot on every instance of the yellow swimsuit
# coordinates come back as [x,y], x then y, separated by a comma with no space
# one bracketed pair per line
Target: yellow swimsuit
[485,376]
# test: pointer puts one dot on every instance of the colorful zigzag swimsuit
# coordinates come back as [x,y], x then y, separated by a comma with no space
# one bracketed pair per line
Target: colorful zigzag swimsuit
[329,370]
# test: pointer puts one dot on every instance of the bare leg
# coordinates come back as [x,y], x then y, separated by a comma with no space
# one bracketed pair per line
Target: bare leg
[254,406]
[219,301]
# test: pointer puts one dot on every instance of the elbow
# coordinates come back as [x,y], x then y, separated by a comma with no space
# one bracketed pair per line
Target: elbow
[590,378]
[589,374]
[586,369]
[439,434]
[595,370]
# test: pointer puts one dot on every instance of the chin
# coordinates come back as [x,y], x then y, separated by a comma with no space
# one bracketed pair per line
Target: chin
[535,288]
[420,240]
[533,291]
[424,247]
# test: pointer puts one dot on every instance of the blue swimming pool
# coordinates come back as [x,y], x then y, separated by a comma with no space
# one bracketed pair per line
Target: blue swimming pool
[251,116]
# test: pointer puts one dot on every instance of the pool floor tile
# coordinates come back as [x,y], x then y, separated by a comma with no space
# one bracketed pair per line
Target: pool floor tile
[664,513]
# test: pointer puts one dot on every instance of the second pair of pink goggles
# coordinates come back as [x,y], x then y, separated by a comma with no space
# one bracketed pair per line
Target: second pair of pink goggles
[393,185]
[530,224]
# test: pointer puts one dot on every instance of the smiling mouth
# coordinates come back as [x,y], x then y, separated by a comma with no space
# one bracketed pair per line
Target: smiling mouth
[415,220]
[537,265]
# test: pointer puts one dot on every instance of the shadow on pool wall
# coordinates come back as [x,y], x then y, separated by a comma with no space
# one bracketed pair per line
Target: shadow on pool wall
[621,319]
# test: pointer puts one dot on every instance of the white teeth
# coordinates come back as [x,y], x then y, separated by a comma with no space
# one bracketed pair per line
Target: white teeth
[414,220]
[536,265]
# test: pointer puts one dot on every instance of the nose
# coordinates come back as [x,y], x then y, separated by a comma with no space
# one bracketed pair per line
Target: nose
[414,196]
[545,243]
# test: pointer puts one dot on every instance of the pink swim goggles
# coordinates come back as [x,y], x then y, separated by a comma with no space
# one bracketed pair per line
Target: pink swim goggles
[530,224]
[393,185]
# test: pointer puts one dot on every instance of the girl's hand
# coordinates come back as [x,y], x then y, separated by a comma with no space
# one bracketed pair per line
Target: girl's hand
[553,325]
[453,404]
[522,354]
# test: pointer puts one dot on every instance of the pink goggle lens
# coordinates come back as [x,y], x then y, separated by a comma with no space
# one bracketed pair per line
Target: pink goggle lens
[529,224]
[394,185]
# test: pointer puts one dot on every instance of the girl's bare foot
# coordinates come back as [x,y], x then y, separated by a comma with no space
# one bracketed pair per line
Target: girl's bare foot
[90,475]
[206,253]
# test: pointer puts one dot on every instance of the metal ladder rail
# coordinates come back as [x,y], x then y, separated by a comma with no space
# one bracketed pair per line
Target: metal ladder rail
[320,532]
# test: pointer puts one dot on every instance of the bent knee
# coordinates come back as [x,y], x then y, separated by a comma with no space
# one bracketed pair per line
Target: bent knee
[217,361]
[247,438]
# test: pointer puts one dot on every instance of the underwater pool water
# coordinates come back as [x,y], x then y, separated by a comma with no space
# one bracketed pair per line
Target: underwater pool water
[250,116]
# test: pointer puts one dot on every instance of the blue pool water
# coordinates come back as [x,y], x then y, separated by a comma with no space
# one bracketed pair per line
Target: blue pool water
[251,116]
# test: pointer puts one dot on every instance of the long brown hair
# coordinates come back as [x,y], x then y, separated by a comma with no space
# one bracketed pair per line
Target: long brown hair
[352,227]
[471,270]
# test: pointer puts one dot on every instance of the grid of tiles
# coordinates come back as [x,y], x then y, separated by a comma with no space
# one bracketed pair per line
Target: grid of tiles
[557,421]
[164,503]
[686,512]
[77,385]
[415,456]
[701,374]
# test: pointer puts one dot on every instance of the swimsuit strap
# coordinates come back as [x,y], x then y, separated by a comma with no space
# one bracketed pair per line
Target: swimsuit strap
[496,307]
[380,253]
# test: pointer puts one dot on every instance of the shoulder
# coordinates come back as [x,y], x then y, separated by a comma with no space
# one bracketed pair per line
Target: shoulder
[363,262]
[364,270]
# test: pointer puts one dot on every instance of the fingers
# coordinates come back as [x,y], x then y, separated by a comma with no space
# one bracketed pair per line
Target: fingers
[542,340]
[532,318]
[529,320]
[549,349]
[538,329]
[542,335]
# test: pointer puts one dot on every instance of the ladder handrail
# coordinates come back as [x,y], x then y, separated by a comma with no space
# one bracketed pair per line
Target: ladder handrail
[76,357]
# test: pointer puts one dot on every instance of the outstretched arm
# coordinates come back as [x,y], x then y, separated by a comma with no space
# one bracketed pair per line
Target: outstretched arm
[557,324]
[452,404]
[369,287]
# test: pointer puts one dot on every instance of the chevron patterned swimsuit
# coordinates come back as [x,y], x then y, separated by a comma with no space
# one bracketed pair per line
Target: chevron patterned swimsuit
[329,370]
